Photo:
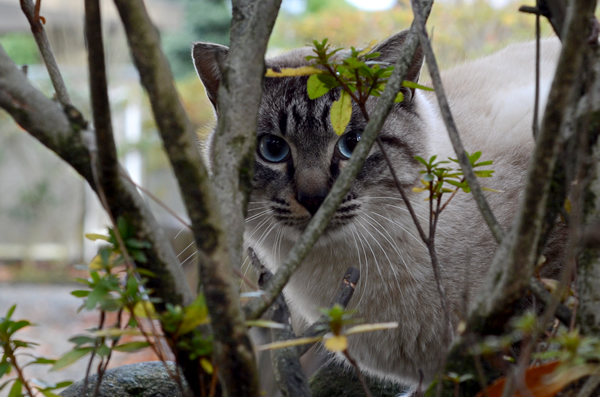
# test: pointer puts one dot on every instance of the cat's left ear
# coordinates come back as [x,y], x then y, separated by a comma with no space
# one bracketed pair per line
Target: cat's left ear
[208,58]
[390,49]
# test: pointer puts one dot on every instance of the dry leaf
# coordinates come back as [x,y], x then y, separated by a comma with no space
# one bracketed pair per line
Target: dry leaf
[543,381]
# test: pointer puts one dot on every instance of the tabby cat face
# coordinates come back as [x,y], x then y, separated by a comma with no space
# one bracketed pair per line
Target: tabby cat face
[299,157]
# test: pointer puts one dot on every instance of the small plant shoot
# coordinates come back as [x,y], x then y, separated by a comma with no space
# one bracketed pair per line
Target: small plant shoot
[438,178]
[355,71]
[11,348]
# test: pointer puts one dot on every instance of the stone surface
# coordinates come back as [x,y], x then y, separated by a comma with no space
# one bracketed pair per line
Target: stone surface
[333,380]
[148,379]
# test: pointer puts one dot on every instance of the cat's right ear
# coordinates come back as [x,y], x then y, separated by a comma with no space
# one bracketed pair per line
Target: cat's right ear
[208,59]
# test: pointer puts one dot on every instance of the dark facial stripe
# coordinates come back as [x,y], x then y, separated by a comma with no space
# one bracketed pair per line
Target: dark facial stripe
[282,123]
[399,144]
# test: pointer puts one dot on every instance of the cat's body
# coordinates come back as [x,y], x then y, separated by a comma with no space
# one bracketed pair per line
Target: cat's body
[492,102]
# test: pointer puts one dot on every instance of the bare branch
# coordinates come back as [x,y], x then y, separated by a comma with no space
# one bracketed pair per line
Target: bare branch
[514,261]
[239,96]
[589,386]
[31,11]
[589,261]
[286,361]
[563,313]
[108,162]
[461,155]
[319,221]
[234,350]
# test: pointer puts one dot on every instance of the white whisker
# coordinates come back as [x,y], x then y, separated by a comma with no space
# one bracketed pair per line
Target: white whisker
[188,258]
[185,249]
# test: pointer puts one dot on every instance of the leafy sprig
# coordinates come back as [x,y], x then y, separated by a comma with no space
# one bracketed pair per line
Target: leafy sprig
[438,178]
[11,348]
[358,74]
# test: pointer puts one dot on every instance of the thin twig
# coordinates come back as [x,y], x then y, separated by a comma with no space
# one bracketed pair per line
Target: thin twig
[20,376]
[437,274]
[105,142]
[359,374]
[214,381]
[451,197]
[32,14]
[536,103]
[93,353]
[158,201]
[563,313]
[480,374]
[589,386]
[461,155]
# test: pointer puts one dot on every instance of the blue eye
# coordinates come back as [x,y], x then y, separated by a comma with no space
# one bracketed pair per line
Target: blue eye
[347,143]
[273,148]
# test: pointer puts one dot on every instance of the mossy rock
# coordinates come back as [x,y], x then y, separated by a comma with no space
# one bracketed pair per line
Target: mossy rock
[148,379]
[334,380]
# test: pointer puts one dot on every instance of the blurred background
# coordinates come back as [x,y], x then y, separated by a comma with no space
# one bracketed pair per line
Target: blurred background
[45,207]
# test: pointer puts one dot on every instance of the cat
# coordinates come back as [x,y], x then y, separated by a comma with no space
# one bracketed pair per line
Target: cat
[299,157]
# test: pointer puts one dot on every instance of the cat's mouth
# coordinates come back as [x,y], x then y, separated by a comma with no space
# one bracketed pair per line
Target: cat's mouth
[293,214]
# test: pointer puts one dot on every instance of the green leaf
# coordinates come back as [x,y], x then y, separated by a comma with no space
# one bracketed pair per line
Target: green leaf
[421,160]
[139,256]
[48,393]
[41,361]
[399,97]
[428,177]
[18,325]
[481,164]
[194,315]
[71,357]
[4,369]
[16,389]
[79,340]
[80,293]
[94,237]
[138,244]
[103,350]
[456,183]
[315,87]
[4,384]
[484,174]
[264,324]
[474,157]
[98,294]
[292,72]
[63,384]
[412,84]
[124,228]
[145,272]
[131,346]
[289,343]
[340,113]
[10,312]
